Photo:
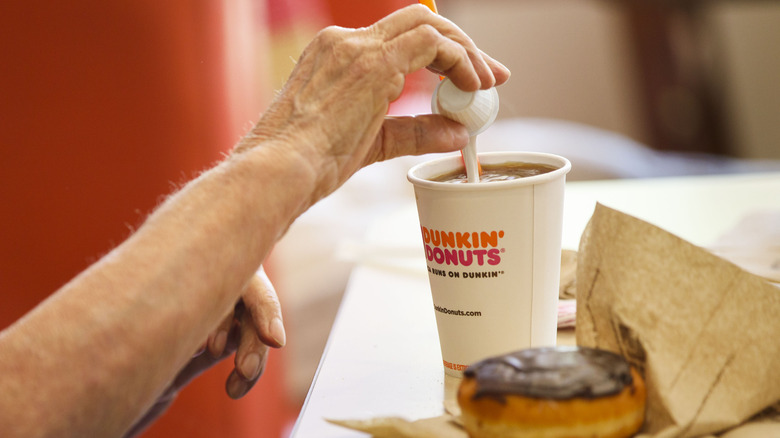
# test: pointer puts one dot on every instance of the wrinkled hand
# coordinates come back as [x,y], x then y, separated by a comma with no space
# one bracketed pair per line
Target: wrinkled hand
[254,325]
[331,112]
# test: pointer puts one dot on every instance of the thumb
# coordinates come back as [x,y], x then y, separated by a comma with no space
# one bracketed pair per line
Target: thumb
[417,135]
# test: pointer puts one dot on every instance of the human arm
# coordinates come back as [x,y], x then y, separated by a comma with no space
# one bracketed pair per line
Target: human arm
[92,359]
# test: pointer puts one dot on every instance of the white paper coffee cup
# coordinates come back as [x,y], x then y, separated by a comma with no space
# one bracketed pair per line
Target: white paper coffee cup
[493,254]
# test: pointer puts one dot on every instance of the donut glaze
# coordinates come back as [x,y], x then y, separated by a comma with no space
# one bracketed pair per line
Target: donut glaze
[558,373]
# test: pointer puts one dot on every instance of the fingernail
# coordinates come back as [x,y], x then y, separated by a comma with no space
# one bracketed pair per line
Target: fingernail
[235,386]
[218,345]
[250,366]
[276,329]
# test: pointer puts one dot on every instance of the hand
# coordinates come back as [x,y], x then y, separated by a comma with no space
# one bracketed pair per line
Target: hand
[249,330]
[331,112]
[255,325]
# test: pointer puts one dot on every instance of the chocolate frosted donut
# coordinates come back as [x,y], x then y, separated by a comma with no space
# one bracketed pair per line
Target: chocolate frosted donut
[556,373]
[552,392]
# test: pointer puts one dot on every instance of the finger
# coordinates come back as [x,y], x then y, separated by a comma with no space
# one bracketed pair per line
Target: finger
[250,360]
[500,71]
[424,46]
[417,135]
[416,30]
[251,352]
[237,387]
[485,67]
[218,339]
[262,303]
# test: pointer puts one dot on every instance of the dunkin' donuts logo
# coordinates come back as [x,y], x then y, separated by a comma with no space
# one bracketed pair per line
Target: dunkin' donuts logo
[455,248]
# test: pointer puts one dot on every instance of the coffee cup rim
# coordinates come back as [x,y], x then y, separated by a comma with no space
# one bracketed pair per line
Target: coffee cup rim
[419,174]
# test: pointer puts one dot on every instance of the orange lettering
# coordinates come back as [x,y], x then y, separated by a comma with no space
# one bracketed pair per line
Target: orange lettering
[489,239]
[426,235]
[462,239]
[448,239]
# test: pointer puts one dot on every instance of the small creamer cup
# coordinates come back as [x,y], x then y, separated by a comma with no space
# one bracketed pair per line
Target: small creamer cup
[476,110]
[493,254]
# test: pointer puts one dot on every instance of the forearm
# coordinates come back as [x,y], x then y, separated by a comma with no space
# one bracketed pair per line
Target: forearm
[110,340]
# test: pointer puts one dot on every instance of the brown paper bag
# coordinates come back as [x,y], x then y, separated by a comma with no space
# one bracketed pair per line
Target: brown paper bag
[703,331]
[393,427]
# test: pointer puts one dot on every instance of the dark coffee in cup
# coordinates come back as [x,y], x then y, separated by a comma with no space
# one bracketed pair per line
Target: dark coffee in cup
[497,172]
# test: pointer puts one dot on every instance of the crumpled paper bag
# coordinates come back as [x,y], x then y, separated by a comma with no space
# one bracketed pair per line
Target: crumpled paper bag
[703,331]
[445,426]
